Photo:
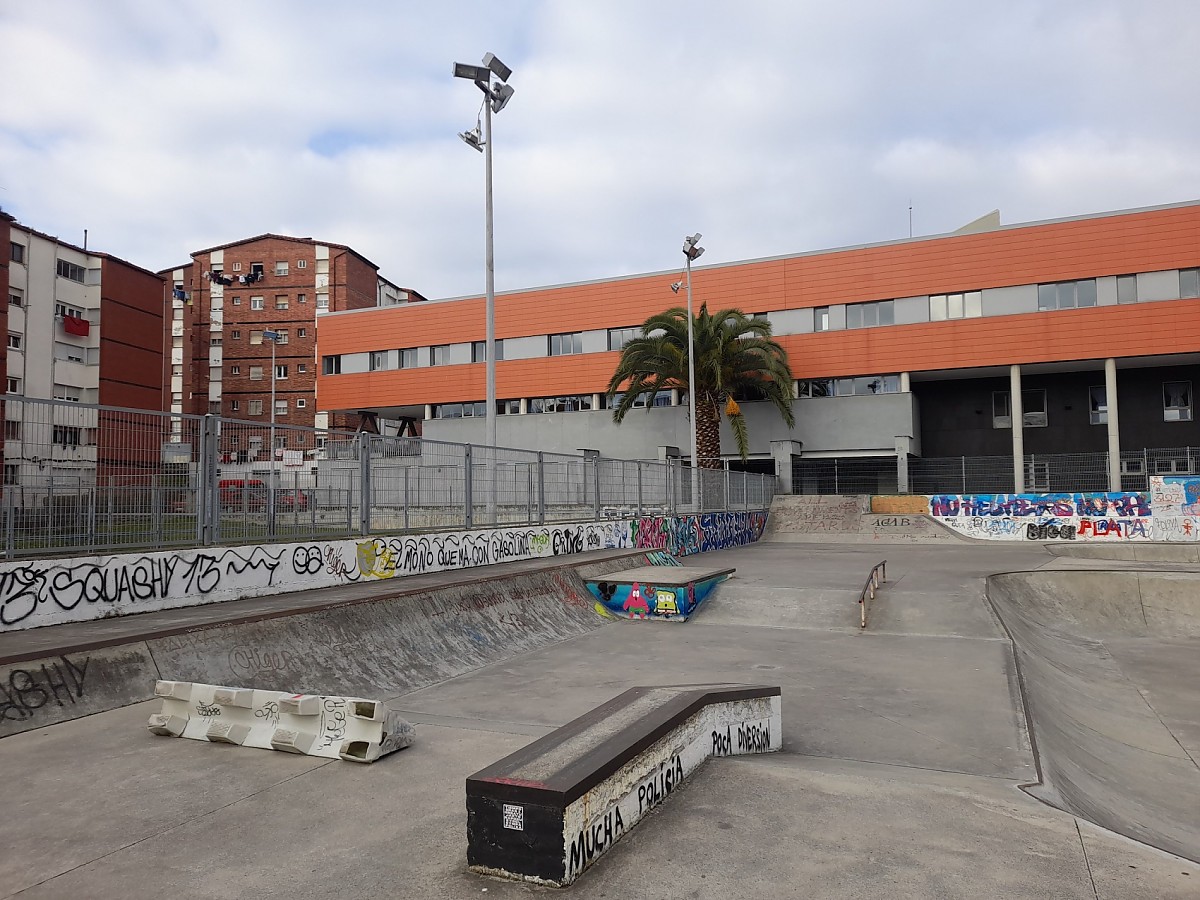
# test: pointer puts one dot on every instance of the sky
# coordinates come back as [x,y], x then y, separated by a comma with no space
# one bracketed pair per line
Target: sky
[167,126]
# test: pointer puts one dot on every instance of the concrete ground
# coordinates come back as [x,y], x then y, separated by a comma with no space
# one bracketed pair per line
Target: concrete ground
[904,749]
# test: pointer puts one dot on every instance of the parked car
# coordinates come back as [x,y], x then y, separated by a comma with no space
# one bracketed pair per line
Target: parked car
[290,500]
[242,493]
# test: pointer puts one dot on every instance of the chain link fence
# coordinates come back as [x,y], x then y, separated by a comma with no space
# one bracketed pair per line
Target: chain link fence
[83,479]
[1044,473]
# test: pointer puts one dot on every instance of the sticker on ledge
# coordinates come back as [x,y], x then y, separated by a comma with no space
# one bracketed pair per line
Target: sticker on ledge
[514,817]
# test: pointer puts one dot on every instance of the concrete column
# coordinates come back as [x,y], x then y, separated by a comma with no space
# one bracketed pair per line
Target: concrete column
[524,406]
[1018,428]
[595,401]
[782,452]
[674,396]
[905,385]
[1114,431]
[428,411]
[667,451]
[903,449]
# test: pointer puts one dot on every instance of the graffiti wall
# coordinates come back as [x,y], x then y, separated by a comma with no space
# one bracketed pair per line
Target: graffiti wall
[1175,500]
[684,535]
[1170,511]
[34,593]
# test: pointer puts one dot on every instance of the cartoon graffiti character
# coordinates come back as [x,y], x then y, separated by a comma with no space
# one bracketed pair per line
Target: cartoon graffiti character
[636,605]
[665,604]
[691,598]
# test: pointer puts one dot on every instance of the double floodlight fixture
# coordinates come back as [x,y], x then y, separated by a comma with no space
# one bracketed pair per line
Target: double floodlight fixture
[675,286]
[692,248]
[473,138]
[499,93]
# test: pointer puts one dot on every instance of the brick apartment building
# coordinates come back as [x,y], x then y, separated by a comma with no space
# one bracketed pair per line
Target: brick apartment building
[222,302]
[80,327]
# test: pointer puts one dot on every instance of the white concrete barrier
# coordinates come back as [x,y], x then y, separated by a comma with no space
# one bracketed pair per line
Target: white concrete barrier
[348,728]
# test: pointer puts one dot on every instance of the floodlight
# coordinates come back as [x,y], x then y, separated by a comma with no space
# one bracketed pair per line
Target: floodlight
[690,248]
[501,96]
[474,73]
[676,286]
[472,138]
[502,71]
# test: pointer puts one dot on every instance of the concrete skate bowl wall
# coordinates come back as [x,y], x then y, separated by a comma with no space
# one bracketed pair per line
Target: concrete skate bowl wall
[1110,671]
[372,648]
[853,518]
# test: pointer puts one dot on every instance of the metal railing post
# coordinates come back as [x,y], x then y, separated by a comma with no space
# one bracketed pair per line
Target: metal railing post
[640,502]
[364,483]
[596,482]
[468,498]
[728,506]
[406,470]
[208,514]
[746,489]
[541,488]
[9,523]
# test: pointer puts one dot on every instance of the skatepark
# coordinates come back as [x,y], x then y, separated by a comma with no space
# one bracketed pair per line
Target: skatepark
[1013,720]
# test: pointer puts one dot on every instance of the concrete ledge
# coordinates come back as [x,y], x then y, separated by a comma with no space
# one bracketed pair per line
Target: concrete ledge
[549,811]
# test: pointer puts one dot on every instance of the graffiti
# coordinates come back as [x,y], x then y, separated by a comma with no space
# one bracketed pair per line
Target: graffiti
[1183,529]
[1122,528]
[333,720]
[307,560]
[754,737]
[722,744]
[634,600]
[567,540]
[893,522]
[249,662]
[142,579]
[1049,531]
[595,839]
[1175,495]
[685,535]
[660,558]
[269,712]
[25,691]
[1032,505]
[635,604]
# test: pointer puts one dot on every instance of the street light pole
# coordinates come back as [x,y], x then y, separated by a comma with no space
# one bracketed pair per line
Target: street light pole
[692,251]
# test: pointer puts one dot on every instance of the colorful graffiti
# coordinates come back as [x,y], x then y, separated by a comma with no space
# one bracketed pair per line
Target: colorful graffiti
[642,600]
[685,535]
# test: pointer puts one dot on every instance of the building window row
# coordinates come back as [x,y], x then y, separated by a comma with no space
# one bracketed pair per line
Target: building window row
[869,315]
[859,386]
[573,403]
[967,305]
[1177,405]
[619,337]
[1067,294]
[71,271]
[567,344]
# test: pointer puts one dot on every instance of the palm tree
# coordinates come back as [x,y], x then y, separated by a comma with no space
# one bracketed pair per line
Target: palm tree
[735,355]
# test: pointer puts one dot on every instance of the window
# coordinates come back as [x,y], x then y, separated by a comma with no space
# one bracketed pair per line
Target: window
[177,314]
[12,472]
[460,410]
[619,337]
[868,315]
[302,368]
[301,402]
[256,270]
[281,371]
[301,332]
[70,271]
[821,318]
[408,358]
[256,373]
[968,305]
[560,404]
[863,385]
[235,335]
[1034,409]
[281,407]
[235,370]
[439,355]
[1177,401]
[1189,283]
[283,335]
[15,297]
[14,385]
[12,429]
[17,252]
[302,264]
[14,340]
[1098,405]
[1127,289]
[566,344]
[378,360]
[237,301]
[237,267]
[256,302]
[65,309]
[214,342]
[255,337]
[1067,294]
[281,301]
[254,407]
[67,392]
[322,301]
[478,351]
[508,407]
[331,365]
[302,298]
[66,435]
[234,405]
[281,268]
[662,398]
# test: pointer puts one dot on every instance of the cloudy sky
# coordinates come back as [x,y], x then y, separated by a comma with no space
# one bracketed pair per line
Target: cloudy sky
[166,126]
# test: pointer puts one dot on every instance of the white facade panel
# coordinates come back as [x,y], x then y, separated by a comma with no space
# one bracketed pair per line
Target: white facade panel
[1106,290]
[460,354]
[1010,301]
[353,363]
[791,321]
[911,310]
[595,341]
[525,347]
[1158,286]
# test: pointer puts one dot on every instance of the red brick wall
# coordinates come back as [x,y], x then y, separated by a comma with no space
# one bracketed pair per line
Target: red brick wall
[131,337]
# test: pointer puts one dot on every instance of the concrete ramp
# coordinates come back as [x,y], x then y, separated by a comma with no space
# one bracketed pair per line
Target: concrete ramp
[847,518]
[1142,551]
[377,647]
[1110,667]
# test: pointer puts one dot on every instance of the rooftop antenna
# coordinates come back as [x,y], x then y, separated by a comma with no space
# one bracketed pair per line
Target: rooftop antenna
[910,217]
[85,239]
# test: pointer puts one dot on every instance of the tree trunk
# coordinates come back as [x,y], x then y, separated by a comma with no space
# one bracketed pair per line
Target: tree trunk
[708,433]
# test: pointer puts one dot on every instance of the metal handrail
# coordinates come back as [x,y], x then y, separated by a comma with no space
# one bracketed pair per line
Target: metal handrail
[877,577]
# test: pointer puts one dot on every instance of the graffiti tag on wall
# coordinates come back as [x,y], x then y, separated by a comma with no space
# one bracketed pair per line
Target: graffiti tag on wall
[685,535]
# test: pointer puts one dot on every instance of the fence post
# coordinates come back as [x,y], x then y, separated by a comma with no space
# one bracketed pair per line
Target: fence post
[529,495]
[208,514]
[596,482]
[541,488]
[727,505]
[964,476]
[364,483]
[9,524]
[638,464]
[836,489]
[468,498]
[746,489]
[406,468]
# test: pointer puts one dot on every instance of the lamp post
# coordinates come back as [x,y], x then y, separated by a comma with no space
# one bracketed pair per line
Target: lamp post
[272,336]
[496,96]
[692,251]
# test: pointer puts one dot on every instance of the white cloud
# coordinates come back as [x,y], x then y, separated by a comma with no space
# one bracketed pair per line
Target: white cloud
[771,127]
